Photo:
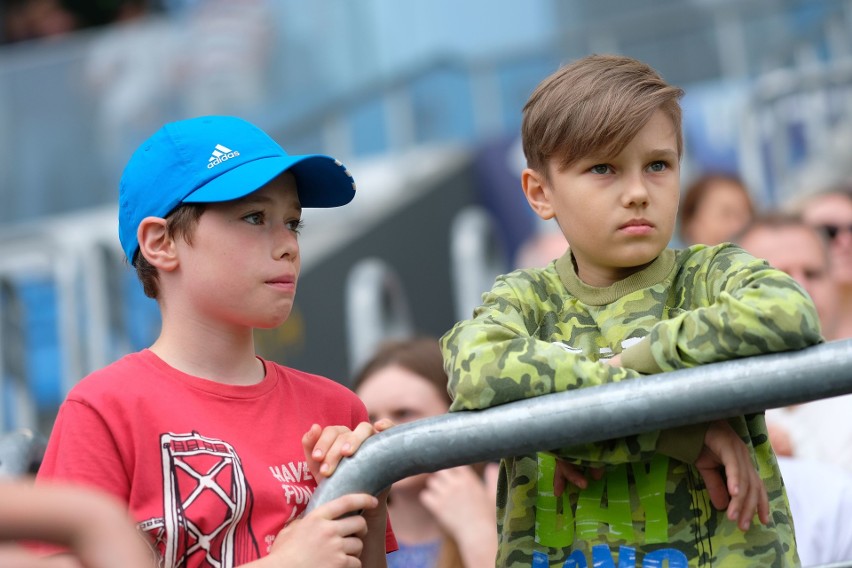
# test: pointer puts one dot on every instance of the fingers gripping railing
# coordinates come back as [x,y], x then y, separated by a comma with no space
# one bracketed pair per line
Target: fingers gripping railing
[565,419]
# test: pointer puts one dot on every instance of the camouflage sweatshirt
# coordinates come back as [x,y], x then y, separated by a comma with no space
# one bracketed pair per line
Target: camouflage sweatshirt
[541,331]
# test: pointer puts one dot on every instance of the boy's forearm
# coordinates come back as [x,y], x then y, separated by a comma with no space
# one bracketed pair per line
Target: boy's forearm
[489,365]
[758,310]
[374,554]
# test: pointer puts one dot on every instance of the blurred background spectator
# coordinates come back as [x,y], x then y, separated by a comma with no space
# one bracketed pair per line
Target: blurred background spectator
[818,430]
[444,519]
[830,212]
[36,19]
[813,439]
[24,20]
[714,208]
[802,251]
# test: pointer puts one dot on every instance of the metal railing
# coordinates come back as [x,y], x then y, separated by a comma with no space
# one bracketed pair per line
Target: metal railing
[21,452]
[560,420]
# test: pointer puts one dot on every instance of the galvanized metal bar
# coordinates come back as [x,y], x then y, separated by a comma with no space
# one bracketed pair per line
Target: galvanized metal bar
[21,452]
[560,420]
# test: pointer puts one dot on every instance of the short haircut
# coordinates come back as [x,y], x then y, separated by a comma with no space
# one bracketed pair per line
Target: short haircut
[596,104]
[179,223]
[800,203]
[776,220]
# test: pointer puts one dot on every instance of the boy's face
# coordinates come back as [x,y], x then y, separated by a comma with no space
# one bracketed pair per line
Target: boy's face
[617,212]
[243,264]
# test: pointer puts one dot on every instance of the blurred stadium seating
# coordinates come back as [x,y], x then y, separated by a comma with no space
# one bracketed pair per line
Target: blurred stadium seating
[767,90]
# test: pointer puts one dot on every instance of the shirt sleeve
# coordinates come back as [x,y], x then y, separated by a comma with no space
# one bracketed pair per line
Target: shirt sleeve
[82,450]
[749,309]
[494,358]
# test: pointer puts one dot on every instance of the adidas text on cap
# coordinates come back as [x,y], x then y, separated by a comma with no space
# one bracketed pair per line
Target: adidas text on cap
[217,158]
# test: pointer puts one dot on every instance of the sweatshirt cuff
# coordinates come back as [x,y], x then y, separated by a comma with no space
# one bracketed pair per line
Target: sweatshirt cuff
[639,358]
[683,443]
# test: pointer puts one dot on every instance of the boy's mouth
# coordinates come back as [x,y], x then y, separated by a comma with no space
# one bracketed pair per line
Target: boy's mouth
[282,281]
[637,223]
[637,227]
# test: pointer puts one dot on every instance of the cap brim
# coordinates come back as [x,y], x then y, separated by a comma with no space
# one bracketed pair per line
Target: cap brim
[320,180]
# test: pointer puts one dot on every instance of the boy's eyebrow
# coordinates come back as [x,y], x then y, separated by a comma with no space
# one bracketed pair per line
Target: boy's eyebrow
[255,198]
[663,152]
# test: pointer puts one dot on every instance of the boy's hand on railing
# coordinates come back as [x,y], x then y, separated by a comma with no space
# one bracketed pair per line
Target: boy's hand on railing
[325,447]
[330,535]
[730,477]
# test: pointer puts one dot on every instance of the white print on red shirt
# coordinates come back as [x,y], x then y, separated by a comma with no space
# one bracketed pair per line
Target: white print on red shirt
[297,483]
[207,504]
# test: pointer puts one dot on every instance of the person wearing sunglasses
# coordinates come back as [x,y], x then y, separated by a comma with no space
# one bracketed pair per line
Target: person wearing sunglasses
[831,213]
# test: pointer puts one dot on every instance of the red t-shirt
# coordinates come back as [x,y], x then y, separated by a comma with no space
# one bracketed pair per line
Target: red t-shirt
[211,472]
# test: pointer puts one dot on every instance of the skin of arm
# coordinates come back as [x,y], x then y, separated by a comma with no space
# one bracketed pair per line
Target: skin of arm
[94,527]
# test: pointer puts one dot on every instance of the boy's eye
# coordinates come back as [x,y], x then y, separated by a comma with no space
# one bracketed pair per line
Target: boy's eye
[658,166]
[599,169]
[254,218]
[296,225]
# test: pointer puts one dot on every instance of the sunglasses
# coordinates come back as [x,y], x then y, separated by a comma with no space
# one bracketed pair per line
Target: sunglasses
[831,231]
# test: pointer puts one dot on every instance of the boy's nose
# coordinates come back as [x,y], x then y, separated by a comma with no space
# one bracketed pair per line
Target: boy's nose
[285,243]
[635,193]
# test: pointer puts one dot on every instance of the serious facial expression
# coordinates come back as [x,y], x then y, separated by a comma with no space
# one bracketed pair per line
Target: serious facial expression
[617,212]
[243,263]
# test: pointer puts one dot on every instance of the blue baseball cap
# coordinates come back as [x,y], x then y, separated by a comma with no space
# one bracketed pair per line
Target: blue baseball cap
[217,158]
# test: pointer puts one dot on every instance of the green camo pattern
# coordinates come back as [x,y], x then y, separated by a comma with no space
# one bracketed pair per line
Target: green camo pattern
[541,331]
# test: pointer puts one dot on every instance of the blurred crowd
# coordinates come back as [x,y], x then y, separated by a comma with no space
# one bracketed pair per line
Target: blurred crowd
[23,20]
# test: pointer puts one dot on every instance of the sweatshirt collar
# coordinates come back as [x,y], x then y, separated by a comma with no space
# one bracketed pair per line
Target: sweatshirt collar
[653,274]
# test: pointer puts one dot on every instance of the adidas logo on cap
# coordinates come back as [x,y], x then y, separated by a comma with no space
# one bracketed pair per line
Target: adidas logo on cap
[220,154]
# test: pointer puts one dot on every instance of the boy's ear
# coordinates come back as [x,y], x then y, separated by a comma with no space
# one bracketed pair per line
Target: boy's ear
[537,192]
[155,244]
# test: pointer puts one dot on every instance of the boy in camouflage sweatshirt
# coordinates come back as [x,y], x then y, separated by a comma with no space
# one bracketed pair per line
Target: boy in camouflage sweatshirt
[602,138]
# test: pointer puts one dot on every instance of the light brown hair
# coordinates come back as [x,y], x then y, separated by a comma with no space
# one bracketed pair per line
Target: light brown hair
[595,104]
[180,223]
[420,355]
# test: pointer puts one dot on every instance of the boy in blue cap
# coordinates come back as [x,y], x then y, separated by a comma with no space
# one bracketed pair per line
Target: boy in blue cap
[216,451]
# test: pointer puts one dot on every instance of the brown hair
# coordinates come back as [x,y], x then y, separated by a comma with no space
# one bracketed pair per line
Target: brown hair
[595,104]
[698,190]
[180,223]
[420,355]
